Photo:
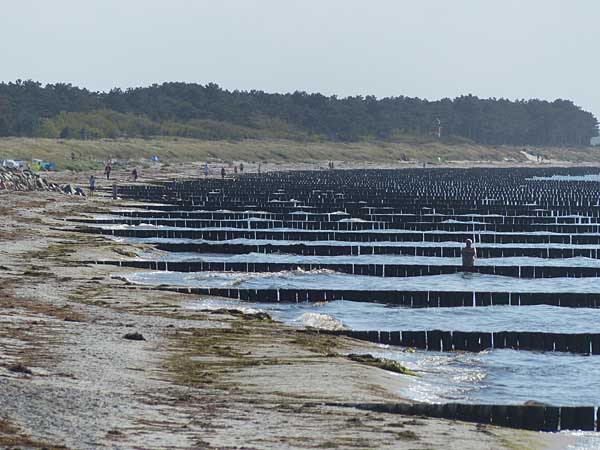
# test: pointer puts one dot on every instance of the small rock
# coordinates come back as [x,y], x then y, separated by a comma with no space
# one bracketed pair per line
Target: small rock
[134,336]
[71,319]
[20,368]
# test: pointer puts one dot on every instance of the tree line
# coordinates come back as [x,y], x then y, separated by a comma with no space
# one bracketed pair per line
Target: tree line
[28,108]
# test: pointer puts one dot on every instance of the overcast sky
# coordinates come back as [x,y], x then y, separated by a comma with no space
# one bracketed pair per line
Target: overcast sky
[427,48]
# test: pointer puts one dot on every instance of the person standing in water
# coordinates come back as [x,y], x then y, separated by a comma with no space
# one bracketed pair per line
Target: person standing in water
[92,184]
[469,255]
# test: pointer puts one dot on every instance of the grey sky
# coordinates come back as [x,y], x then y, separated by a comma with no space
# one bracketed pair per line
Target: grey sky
[427,48]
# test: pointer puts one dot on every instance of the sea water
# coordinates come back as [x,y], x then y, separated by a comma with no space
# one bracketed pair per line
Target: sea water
[254,257]
[327,279]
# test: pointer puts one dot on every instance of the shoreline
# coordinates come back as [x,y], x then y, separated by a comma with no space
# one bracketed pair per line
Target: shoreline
[209,380]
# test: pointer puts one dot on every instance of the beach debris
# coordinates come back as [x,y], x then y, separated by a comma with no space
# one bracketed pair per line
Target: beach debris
[383,363]
[16,164]
[244,313]
[40,164]
[135,336]
[20,368]
[16,179]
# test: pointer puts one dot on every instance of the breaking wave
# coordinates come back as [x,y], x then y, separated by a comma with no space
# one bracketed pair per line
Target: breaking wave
[318,320]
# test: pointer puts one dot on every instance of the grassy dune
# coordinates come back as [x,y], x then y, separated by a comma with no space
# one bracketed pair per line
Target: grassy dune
[172,150]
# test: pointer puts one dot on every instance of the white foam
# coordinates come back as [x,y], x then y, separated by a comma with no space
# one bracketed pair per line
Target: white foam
[317,320]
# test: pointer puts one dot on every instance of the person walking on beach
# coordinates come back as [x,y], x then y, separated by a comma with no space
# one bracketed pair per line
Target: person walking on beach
[134,174]
[92,184]
[206,169]
[107,170]
[222,172]
[469,254]
[241,167]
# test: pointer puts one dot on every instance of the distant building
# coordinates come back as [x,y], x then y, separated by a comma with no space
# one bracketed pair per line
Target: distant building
[595,141]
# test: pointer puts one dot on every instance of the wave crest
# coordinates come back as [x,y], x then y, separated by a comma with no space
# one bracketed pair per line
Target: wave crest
[322,321]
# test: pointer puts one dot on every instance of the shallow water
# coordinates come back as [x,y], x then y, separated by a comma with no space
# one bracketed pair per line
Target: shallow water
[148,226]
[370,259]
[324,279]
[501,377]
[369,316]
[154,240]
